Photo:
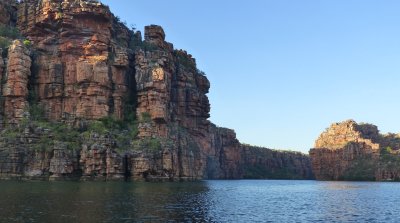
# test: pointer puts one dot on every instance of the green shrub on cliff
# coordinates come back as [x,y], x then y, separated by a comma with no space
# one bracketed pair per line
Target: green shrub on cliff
[361,169]
[110,122]
[97,127]
[27,43]
[4,42]
[122,131]
[9,32]
[386,150]
[59,132]
[154,144]
[44,143]
[146,117]
[148,144]
[184,60]
[49,132]
[11,134]
[389,160]
[36,112]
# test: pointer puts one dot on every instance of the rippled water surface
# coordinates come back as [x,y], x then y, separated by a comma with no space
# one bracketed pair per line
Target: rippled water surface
[208,201]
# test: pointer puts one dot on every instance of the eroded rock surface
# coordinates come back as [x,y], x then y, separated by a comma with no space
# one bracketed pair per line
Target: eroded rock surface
[351,151]
[84,65]
[15,88]
[8,12]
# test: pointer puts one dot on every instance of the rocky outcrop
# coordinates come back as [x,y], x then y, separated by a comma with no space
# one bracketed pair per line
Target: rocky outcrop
[82,63]
[8,10]
[339,135]
[133,109]
[274,164]
[15,88]
[351,151]
[2,72]
[34,154]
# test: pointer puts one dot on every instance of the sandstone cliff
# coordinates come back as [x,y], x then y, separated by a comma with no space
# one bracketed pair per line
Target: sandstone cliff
[84,97]
[272,164]
[351,151]
[8,9]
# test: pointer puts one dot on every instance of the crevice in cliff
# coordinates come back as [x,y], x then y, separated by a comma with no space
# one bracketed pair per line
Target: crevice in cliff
[33,99]
[130,102]
[3,55]
[126,167]
[111,104]
[180,164]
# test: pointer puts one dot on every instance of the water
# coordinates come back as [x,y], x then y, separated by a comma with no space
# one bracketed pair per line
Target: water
[208,201]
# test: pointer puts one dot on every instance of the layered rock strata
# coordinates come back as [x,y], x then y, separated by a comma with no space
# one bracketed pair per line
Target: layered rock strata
[15,87]
[351,151]
[94,159]
[84,68]
[272,164]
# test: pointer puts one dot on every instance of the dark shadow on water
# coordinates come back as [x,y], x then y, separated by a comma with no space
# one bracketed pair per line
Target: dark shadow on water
[102,202]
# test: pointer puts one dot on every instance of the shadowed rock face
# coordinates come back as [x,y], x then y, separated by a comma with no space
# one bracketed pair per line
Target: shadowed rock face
[8,12]
[351,151]
[84,65]
[265,163]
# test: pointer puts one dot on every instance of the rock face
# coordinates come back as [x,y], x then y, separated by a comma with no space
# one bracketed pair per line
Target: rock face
[272,164]
[8,12]
[340,134]
[84,65]
[351,151]
[21,159]
[2,72]
[15,90]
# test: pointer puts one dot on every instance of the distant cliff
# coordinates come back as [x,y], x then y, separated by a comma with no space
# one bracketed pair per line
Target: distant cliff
[84,97]
[351,151]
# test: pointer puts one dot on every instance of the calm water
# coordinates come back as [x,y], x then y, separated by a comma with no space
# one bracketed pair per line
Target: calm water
[209,201]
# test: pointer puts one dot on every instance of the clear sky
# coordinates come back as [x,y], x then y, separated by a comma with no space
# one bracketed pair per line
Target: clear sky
[281,71]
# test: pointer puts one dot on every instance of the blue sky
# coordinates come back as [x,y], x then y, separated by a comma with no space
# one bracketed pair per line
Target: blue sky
[282,71]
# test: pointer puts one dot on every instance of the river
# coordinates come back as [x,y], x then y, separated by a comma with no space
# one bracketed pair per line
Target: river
[205,201]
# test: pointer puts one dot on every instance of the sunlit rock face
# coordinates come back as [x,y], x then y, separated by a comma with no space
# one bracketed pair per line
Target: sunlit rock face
[81,60]
[352,151]
[15,87]
[80,64]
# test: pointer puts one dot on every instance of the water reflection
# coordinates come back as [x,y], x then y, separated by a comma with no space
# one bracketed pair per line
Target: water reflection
[209,201]
[357,202]
[347,185]
[102,202]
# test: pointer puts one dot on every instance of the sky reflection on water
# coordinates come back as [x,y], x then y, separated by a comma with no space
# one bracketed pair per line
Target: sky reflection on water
[208,201]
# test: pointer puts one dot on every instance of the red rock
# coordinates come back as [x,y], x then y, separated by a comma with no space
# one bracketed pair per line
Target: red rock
[341,147]
[15,89]
[7,12]
[73,63]
[86,66]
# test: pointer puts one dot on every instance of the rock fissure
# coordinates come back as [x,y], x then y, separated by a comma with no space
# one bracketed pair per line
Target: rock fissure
[89,99]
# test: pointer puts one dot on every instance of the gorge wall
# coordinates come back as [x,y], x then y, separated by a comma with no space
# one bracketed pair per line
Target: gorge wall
[84,97]
[351,151]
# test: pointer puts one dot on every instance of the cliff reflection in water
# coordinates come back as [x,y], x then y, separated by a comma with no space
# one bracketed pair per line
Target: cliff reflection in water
[102,202]
[208,201]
